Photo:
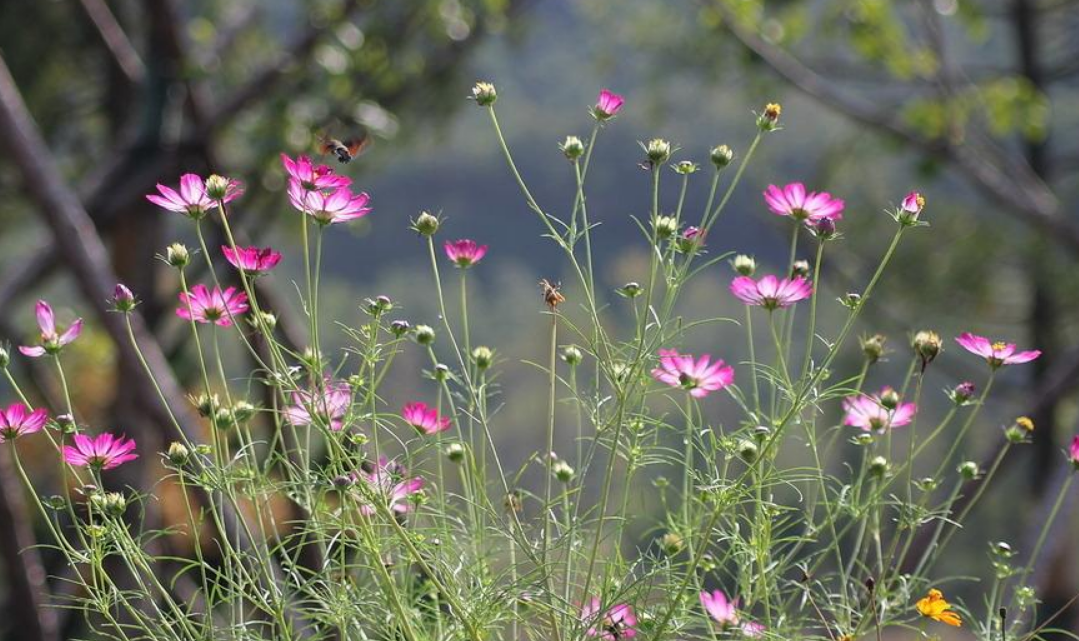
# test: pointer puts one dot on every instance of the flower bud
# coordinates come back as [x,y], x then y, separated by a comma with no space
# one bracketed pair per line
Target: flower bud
[484,94]
[217,187]
[178,453]
[223,419]
[889,398]
[355,381]
[968,470]
[66,423]
[1020,430]
[122,298]
[800,268]
[177,255]
[761,433]
[268,320]
[873,347]
[572,147]
[631,289]
[455,452]
[658,151]
[441,372]
[572,355]
[747,451]
[425,334]
[483,357]
[426,224]
[243,411]
[962,393]
[115,504]
[562,471]
[666,226]
[721,156]
[342,481]
[685,167]
[910,209]
[769,118]
[690,239]
[878,466]
[864,438]
[619,371]
[1002,549]
[744,265]
[672,543]
[927,484]
[823,228]
[5,357]
[399,328]
[851,300]
[205,404]
[927,345]
[512,501]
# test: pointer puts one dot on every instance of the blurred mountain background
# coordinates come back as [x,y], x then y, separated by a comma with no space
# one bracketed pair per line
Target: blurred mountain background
[972,103]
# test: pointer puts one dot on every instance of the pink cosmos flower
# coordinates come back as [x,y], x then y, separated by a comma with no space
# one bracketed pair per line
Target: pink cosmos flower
[996,354]
[192,199]
[1073,452]
[870,413]
[216,306]
[465,252]
[608,105]
[752,629]
[17,420]
[338,206]
[794,201]
[252,260]
[102,453]
[617,622]
[771,292]
[52,341]
[387,480]
[313,177]
[913,203]
[329,407]
[700,377]
[721,609]
[424,418]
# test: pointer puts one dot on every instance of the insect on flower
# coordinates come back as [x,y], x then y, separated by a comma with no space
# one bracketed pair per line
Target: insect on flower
[551,294]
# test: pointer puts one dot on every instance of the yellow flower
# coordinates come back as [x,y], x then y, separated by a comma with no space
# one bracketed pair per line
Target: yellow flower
[1025,423]
[934,606]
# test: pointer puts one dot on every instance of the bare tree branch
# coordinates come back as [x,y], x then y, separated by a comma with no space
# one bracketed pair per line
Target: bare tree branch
[116,41]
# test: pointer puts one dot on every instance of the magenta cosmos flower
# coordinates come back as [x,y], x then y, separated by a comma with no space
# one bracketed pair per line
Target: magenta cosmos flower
[617,622]
[722,610]
[608,105]
[387,481]
[327,407]
[701,377]
[424,418]
[871,414]
[752,629]
[192,199]
[102,453]
[212,306]
[794,201]
[338,206]
[465,252]
[254,261]
[771,292]
[17,420]
[310,176]
[996,354]
[52,340]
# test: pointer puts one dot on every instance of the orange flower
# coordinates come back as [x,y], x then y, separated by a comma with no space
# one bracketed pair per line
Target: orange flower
[934,606]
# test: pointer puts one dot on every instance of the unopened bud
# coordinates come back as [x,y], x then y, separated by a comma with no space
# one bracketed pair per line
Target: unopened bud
[672,543]
[747,451]
[631,289]
[878,466]
[441,372]
[562,471]
[484,94]
[685,167]
[658,151]
[744,265]
[963,393]
[178,453]
[115,504]
[205,404]
[572,147]
[769,118]
[217,187]
[5,357]
[425,334]
[426,224]
[399,328]
[824,228]
[873,347]
[800,268]
[889,398]
[243,411]
[122,298]
[666,226]
[721,156]
[572,355]
[927,345]
[968,470]
[177,255]
[455,452]
[268,320]
[483,357]
[851,300]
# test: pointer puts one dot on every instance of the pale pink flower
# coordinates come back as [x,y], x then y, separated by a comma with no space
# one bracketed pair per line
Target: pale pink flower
[328,406]
[192,199]
[465,252]
[102,453]
[752,629]
[254,261]
[1073,451]
[338,206]
[52,340]
[313,177]
[607,105]
[701,377]
[771,292]
[996,354]
[387,481]
[722,610]
[913,203]
[870,414]
[212,306]
[17,420]
[617,622]
[424,418]
[793,200]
